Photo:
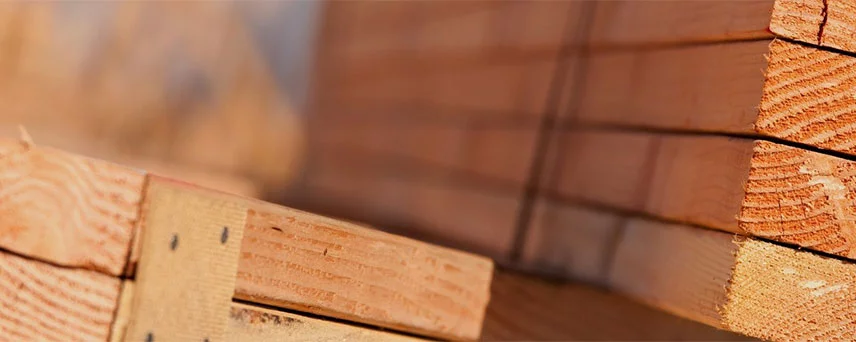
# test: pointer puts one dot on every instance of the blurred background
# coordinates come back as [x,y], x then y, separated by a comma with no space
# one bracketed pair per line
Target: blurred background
[438,120]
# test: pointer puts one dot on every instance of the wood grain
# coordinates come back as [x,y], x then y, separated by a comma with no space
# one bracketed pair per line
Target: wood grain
[773,292]
[819,22]
[298,260]
[742,186]
[808,97]
[41,302]
[67,209]
[251,323]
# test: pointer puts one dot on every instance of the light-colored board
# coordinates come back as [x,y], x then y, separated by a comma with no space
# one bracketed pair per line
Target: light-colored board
[525,308]
[829,23]
[190,241]
[727,281]
[633,23]
[42,302]
[299,260]
[251,323]
[742,186]
[67,209]
[744,285]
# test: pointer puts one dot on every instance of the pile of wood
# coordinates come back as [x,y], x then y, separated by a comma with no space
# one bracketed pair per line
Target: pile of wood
[98,251]
[697,156]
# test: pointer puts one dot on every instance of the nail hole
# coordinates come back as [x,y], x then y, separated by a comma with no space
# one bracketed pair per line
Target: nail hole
[173,244]
[224,235]
[206,340]
[325,252]
[150,337]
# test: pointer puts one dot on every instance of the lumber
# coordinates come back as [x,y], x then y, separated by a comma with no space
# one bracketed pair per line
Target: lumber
[67,209]
[632,24]
[251,323]
[743,285]
[819,22]
[727,281]
[526,308]
[328,267]
[287,258]
[42,302]
[741,186]
[797,98]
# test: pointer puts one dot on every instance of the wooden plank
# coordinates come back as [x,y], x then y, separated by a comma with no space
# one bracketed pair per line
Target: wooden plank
[42,302]
[666,88]
[299,260]
[190,240]
[530,309]
[68,209]
[820,22]
[800,98]
[635,23]
[736,185]
[743,285]
[436,291]
[251,323]
[727,281]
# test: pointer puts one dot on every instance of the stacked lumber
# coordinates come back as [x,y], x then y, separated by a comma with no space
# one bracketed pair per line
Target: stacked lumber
[708,172]
[91,250]
[697,156]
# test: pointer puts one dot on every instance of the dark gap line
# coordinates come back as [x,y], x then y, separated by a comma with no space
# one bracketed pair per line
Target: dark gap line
[5,250]
[548,119]
[329,319]
[742,37]
[629,213]
[819,47]
[701,133]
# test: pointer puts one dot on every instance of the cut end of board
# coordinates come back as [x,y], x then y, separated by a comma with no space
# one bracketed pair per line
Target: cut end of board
[779,293]
[802,198]
[67,209]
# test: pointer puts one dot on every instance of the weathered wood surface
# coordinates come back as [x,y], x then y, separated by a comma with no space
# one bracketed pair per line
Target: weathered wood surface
[288,258]
[742,186]
[42,302]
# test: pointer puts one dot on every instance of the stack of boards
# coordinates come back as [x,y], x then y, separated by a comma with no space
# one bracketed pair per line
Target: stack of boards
[708,166]
[95,251]
[91,250]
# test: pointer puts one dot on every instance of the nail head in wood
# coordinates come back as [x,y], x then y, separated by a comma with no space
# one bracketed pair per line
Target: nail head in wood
[173,244]
[150,337]
[224,236]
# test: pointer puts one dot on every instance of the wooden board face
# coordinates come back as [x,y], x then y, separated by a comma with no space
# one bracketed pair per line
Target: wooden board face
[185,278]
[818,22]
[67,209]
[651,22]
[310,263]
[41,302]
